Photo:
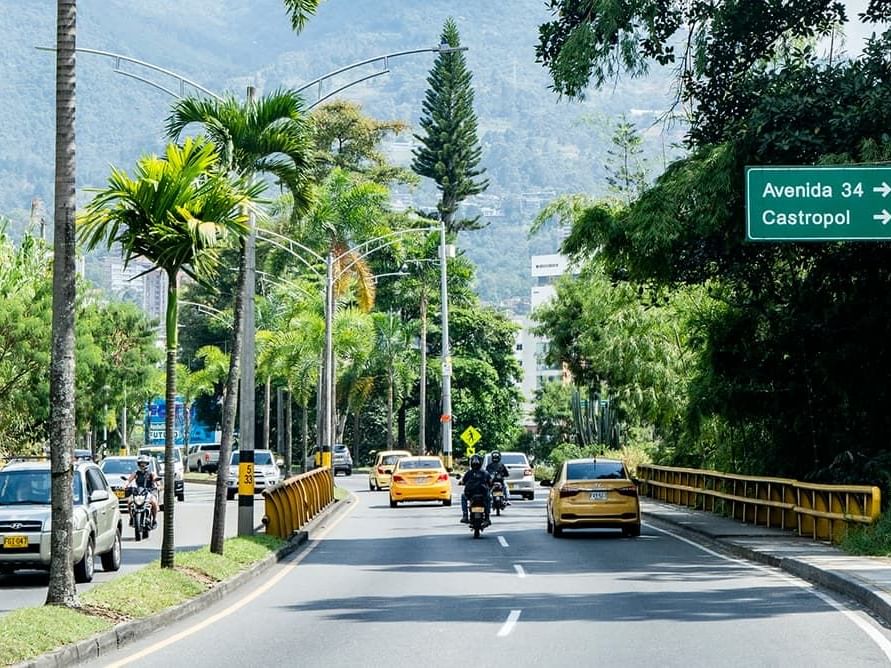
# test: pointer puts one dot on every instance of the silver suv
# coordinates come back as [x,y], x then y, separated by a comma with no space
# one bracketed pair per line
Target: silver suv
[522,479]
[203,457]
[25,519]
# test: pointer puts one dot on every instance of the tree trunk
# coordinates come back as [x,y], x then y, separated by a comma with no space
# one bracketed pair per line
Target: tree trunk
[289,441]
[356,440]
[305,429]
[400,426]
[230,402]
[267,413]
[422,399]
[61,590]
[390,409]
[279,422]
[167,543]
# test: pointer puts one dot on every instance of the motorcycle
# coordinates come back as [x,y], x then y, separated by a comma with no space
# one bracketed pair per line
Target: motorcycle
[477,516]
[140,512]
[499,499]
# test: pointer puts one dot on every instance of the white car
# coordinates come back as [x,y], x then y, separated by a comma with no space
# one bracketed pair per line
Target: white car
[26,519]
[266,472]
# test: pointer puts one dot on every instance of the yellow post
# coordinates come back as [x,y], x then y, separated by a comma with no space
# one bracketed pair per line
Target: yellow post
[326,459]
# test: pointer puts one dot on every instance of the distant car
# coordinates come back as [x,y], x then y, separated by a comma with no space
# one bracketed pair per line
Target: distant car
[203,457]
[522,478]
[26,516]
[118,469]
[384,461]
[83,455]
[592,493]
[266,472]
[179,485]
[343,460]
[420,479]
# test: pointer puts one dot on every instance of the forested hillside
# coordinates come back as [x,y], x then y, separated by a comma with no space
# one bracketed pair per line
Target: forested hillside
[534,145]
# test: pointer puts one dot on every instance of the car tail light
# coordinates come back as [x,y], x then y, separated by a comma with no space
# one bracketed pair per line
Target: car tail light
[527,472]
[206,457]
[443,477]
[630,490]
[398,478]
[569,491]
[380,469]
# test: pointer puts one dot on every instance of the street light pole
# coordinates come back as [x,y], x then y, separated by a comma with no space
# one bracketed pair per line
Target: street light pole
[247,425]
[446,418]
[328,434]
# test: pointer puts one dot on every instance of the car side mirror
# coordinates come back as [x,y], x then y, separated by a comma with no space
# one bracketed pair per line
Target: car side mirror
[279,462]
[547,483]
[98,495]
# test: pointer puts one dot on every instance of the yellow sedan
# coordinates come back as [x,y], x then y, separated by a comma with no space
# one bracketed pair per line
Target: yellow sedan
[593,493]
[384,461]
[420,479]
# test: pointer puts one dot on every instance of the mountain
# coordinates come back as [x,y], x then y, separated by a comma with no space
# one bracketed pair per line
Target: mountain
[535,145]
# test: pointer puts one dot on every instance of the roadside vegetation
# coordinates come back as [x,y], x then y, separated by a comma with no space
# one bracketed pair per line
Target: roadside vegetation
[29,632]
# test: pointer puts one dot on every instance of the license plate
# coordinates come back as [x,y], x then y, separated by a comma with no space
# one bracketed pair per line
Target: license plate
[119,493]
[10,542]
[598,496]
[421,481]
[478,509]
[498,494]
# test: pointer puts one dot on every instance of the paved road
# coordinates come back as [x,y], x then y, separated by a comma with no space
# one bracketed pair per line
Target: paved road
[409,586]
[193,522]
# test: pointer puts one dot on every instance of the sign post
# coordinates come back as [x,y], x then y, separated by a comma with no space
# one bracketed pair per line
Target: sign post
[832,203]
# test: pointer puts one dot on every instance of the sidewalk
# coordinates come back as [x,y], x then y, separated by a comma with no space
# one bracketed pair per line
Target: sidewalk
[867,580]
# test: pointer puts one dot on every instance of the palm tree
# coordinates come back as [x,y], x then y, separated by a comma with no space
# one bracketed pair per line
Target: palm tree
[270,136]
[199,383]
[392,343]
[61,590]
[176,213]
[299,11]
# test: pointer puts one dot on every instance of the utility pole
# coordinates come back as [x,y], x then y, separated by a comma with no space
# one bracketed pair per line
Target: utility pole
[446,417]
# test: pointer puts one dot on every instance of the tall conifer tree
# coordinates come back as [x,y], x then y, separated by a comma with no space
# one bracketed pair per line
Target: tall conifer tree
[450,150]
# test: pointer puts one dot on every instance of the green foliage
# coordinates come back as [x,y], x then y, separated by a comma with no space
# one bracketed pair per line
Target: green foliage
[553,416]
[873,540]
[450,152]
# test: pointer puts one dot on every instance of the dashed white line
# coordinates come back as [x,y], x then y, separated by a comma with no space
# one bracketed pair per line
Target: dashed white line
[519,569]
[503,541]
[509,625]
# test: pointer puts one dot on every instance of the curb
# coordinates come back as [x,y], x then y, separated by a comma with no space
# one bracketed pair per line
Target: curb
[121,634]
[875,601]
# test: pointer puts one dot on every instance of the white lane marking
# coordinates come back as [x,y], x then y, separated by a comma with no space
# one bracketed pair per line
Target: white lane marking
[519,569]
[509,625]
[269,584]
[503,541]
[862,620]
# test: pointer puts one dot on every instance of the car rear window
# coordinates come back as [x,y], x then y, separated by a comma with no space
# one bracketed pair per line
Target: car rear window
[260,458]
[118,466]
[516,459]
[411,464]
[211,448]
[391,459]
[595,471]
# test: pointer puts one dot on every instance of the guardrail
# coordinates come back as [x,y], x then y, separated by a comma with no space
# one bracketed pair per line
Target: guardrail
[821,512]
[295,501]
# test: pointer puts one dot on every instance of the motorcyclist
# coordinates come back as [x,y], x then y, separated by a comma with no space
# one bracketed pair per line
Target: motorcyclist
[497,469]
[143,477]
[476,482]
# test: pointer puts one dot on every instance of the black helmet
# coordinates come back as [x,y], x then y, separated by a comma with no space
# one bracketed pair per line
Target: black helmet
[476,462]
[496,456]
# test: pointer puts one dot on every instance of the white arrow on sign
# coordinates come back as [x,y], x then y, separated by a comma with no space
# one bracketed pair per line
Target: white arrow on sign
[884,216]
[884,189]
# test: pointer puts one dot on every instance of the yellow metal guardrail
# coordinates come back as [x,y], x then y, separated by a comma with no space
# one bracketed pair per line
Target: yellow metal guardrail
[821,512]
[295,501]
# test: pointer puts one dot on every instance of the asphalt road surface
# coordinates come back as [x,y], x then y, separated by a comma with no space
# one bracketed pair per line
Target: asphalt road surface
[410,587]
[193,518]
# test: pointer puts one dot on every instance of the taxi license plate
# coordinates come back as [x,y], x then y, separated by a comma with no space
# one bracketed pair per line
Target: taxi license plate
[119,493]
[421,481]
[15,541]
[598,496]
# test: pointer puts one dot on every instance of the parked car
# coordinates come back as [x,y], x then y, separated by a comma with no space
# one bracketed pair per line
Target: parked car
[384,461]
[118,469]
[420,479]
[266,472]
[179,485]
[26,519]
[522,478]
[203,457]
[343,460]
[593,493]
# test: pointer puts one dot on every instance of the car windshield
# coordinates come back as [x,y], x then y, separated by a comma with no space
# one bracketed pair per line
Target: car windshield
[31,487]
[514,459]
[118,466]
[411,464]
[261,458]
[595,471]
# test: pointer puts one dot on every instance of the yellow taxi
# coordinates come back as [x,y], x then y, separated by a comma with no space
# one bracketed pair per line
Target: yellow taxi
[384,461]
[420,479]
[593,493]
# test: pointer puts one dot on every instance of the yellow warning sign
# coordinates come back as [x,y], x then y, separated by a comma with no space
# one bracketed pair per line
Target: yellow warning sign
[471,436]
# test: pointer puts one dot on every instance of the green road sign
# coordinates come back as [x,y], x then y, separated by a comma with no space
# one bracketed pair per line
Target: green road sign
[818,203]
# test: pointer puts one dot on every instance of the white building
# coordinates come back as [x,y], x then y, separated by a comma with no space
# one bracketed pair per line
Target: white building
[529,348]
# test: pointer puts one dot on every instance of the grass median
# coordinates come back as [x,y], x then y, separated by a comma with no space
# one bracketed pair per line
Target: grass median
[30,632]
